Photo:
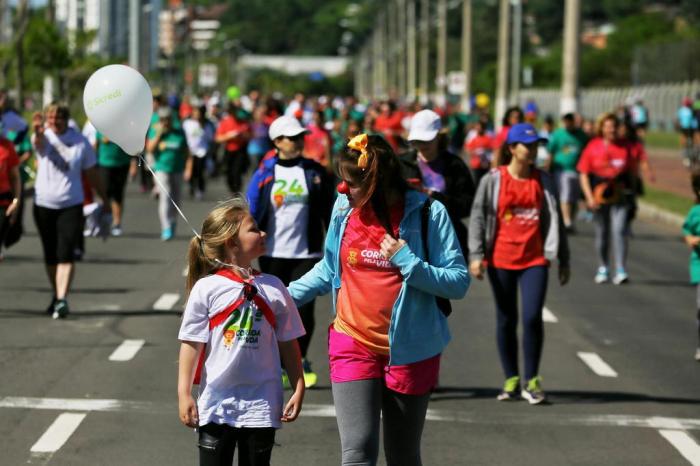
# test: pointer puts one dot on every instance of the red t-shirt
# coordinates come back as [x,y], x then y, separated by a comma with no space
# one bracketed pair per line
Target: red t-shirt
[370,283]
[519,242]
[637,155]
[604,159]
[501,137]
[229,123]
[390,126]
[480,150]
[317,143]
[8,160]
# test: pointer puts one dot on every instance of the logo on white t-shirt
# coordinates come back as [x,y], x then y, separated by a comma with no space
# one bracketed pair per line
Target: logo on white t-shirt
[240,326]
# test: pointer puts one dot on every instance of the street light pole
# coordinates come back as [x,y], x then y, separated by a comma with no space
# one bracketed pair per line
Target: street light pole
[411,45]
[135,33]
[441,80]
[502,77]
[424,50]
[467,53]
[401,40]
[515,61]
[570,59]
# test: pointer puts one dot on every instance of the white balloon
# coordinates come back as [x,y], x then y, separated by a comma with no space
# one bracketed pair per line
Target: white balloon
[119,102]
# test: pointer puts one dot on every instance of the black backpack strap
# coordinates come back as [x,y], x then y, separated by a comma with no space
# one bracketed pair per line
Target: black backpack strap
[443,303]
[424,219]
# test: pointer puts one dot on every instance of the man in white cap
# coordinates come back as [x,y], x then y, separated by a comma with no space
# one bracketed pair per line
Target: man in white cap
[433,169]
[291,198]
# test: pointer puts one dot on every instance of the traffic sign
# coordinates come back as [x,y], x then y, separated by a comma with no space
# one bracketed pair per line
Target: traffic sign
[208,75]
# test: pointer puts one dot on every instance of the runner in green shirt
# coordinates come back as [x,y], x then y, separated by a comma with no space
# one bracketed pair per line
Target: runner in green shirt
[565,146]
[169,148]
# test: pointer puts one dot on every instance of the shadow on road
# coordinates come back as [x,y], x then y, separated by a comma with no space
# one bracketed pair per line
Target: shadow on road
[560,396]
[76,315]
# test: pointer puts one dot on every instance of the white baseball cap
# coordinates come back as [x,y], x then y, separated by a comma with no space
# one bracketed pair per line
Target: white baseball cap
[286,126]
[425,125]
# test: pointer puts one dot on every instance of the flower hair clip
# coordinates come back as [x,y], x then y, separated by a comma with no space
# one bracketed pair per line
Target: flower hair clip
[359,143]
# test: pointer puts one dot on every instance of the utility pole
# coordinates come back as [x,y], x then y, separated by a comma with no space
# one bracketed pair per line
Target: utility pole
[517,41]
[401,40]
[424,50]
[135,33]
[467,53]
[390,15]
[570,60]
[411,45]
[441,80]
[502,77]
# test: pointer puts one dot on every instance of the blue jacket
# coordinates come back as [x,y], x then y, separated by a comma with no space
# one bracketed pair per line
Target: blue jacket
[418,330]
[320,197]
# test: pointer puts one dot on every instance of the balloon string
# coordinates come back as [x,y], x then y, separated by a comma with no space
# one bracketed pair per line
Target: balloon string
[165,191]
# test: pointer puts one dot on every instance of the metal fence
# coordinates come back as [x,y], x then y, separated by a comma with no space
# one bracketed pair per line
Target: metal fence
[662,100]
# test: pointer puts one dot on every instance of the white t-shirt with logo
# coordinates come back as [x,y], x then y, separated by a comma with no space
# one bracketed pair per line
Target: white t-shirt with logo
[61,162]
[287,226]
[199,137]
[241,383]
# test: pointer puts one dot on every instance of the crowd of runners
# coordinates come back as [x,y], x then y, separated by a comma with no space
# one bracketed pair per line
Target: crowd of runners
[389,207]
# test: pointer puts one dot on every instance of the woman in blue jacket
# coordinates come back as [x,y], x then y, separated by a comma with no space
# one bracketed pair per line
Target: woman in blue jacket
[291,198]
[388,331]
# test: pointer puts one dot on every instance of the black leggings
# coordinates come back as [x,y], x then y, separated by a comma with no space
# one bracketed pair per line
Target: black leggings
[61,232]
[533,288]
[217,444]
[198,179]
[236,166]
[289,270]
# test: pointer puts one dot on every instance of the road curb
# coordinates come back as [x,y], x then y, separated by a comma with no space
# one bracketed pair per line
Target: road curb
[657,214]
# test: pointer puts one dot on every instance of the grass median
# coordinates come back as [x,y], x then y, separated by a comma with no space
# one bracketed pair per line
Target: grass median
[668,201]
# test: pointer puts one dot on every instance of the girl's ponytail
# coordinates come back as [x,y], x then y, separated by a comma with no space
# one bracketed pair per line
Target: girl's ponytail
[197,265]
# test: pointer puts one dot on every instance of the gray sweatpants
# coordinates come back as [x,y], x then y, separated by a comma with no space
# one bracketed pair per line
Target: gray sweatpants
[611,220]
[358,406]
[166,211]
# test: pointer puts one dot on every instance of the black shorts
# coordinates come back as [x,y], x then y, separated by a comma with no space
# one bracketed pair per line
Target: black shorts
[61,231]
[114,181]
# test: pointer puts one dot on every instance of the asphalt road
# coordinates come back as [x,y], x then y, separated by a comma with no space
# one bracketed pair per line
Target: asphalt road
[64,402]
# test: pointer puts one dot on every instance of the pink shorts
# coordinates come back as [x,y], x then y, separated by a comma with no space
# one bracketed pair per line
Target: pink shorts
[349,361]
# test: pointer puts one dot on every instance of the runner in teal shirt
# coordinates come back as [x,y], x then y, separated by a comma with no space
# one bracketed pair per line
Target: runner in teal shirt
[565,146]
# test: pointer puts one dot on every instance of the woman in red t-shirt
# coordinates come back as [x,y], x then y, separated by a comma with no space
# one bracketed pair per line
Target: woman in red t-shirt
[10,188]
[516,228]
[605,171]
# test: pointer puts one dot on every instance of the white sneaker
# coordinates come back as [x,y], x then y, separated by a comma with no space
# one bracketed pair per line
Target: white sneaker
[620,277]
[116,230]
[697,354]
[601,276]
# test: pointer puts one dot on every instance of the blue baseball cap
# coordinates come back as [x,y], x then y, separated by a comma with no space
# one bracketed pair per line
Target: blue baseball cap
[523,132]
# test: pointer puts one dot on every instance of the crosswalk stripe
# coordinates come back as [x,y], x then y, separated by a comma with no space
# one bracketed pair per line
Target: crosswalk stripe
[166,301]
[684,443]
[596,364]
[127,350]
[548,316]
[58,433]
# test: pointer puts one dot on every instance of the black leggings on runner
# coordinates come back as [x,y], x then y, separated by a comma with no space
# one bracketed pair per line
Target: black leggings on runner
[289,270]
[236,166]
[358,406]
[533,288]
[61,232]
[217,444]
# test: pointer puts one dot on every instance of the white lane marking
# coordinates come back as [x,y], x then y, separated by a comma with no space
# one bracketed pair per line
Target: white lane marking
[73,404]
[58,433]
[684,443]
[185,271]
[548,316]
[326,410]
[596,364]
[166,302]
[127,350]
